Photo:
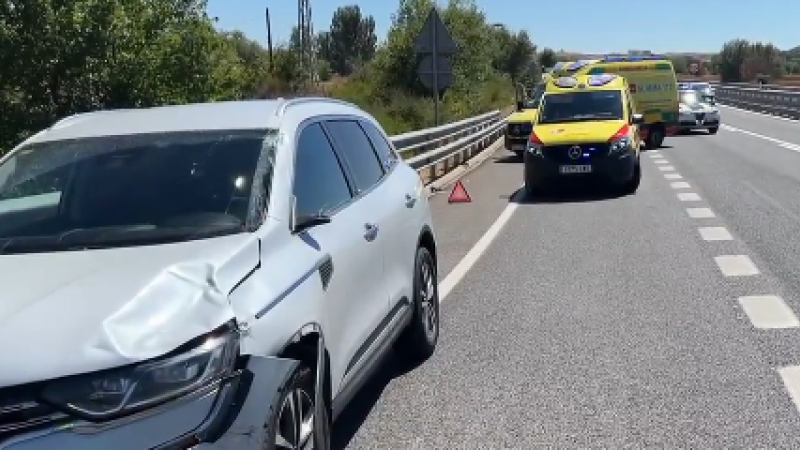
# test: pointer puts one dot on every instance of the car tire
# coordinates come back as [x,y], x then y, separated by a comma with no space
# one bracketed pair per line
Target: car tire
[519,153]
[418,341]
[655,138]
[632,185]
[713,130]
[295,405]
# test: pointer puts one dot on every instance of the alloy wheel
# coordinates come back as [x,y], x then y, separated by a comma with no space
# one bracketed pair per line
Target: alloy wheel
[429,299]
[296,422]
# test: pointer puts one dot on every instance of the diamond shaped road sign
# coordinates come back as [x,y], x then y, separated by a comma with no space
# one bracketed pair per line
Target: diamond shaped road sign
[434,37]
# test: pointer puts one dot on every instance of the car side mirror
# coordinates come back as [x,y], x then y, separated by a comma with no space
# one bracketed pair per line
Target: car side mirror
[637,119]
[301,222]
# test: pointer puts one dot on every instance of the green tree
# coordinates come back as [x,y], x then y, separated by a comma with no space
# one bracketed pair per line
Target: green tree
[352,39]
[547,58]
[731,58]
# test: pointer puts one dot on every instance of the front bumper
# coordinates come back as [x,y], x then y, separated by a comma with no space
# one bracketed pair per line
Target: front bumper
[230,416]
[698,121]
[614,169]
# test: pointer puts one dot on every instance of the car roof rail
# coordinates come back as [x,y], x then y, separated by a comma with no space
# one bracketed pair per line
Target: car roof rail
[68,119]
[284,104]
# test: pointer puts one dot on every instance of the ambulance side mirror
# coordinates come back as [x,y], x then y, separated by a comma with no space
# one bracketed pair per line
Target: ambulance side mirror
[520,105]
[637,119]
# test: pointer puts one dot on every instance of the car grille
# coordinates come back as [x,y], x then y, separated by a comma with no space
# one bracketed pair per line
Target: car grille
[699,116]
[20,412]
[519,129]
[561,153]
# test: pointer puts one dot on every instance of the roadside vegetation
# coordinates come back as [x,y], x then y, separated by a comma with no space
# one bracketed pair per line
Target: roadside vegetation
[58,58]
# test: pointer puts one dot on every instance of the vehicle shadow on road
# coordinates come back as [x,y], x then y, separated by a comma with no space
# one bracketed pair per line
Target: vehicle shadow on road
[691,133]
[567,194]
[509,158]
[355,414]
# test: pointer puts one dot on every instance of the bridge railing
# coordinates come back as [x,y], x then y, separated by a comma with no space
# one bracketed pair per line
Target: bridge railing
[438,150]
[783,101]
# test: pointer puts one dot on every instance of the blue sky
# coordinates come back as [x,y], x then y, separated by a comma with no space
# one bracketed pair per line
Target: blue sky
[673,25]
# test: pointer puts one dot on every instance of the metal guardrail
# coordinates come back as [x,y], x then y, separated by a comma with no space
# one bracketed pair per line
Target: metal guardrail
[436,151]
[780,101]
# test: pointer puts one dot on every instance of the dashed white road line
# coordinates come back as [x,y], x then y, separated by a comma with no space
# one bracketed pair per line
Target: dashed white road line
[673,176]
[688,197]
[768,312]
[661,161]
[700,213]
[736,265]
[656,156]
[715,234]
[666,168]
[791,380]
[679,185]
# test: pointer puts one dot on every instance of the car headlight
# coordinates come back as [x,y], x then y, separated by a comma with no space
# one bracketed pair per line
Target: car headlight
[118,392]
[619,145]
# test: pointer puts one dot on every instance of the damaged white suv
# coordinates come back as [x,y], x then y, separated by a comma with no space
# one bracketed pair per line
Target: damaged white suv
[210,276]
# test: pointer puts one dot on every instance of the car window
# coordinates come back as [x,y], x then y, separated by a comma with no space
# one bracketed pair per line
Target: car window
[320,186]
[382,147]
[357,150]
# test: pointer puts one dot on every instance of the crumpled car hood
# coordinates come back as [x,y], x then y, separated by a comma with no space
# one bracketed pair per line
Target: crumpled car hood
[73,312]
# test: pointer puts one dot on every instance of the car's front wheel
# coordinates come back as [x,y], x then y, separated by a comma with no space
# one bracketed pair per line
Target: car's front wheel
[299,423]
[713,130]
[418,341]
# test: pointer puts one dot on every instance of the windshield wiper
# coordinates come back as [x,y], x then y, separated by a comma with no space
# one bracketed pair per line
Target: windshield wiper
[110,237]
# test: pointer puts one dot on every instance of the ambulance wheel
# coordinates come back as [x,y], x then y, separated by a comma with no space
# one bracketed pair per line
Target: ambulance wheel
[713,130]
[632,185]
[655,137]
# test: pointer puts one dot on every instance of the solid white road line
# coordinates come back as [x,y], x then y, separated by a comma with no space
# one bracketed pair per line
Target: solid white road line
[736,265]
[715,234]
[768,312]
[661,161]
[700,213]
[673,176]
[784,144]
[666,168]
[460,270]
[688,197]
[679,185]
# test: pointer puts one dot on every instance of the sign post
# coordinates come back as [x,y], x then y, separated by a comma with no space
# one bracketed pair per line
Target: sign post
[435,45]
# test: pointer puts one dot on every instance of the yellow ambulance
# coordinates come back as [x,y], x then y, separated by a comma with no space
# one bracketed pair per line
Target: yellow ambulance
[652,82]
[587,128]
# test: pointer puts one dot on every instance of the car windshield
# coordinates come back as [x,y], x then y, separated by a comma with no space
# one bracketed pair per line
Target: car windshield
[689,98]
[114,191]
[581,106]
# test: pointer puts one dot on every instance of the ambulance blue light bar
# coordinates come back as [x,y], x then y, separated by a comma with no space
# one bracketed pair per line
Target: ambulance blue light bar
[566,82]
[577,65]
[633,58]
[601,80]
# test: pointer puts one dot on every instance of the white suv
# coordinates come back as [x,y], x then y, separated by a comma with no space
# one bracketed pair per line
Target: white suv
[209,276]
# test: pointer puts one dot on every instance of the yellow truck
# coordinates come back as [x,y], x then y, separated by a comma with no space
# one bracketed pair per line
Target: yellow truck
[587,128]
[652,82]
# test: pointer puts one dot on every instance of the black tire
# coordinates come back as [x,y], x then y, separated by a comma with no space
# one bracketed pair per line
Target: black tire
[713,130]
[655,138]
[418,341]
[519,153]
[632,185]
[301,388]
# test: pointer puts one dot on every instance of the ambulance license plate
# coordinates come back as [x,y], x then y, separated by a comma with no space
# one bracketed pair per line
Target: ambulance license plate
[586,168]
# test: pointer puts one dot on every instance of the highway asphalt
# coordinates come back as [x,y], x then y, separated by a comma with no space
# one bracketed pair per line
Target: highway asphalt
[665,319]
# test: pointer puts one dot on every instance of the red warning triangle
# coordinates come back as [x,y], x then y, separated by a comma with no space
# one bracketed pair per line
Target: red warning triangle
[459,194]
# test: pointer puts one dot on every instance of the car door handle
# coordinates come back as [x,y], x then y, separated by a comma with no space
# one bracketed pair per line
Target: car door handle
[370,232]
[410,201]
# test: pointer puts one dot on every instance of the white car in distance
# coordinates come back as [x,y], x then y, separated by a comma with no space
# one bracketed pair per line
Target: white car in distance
[209,277]
[697,114]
